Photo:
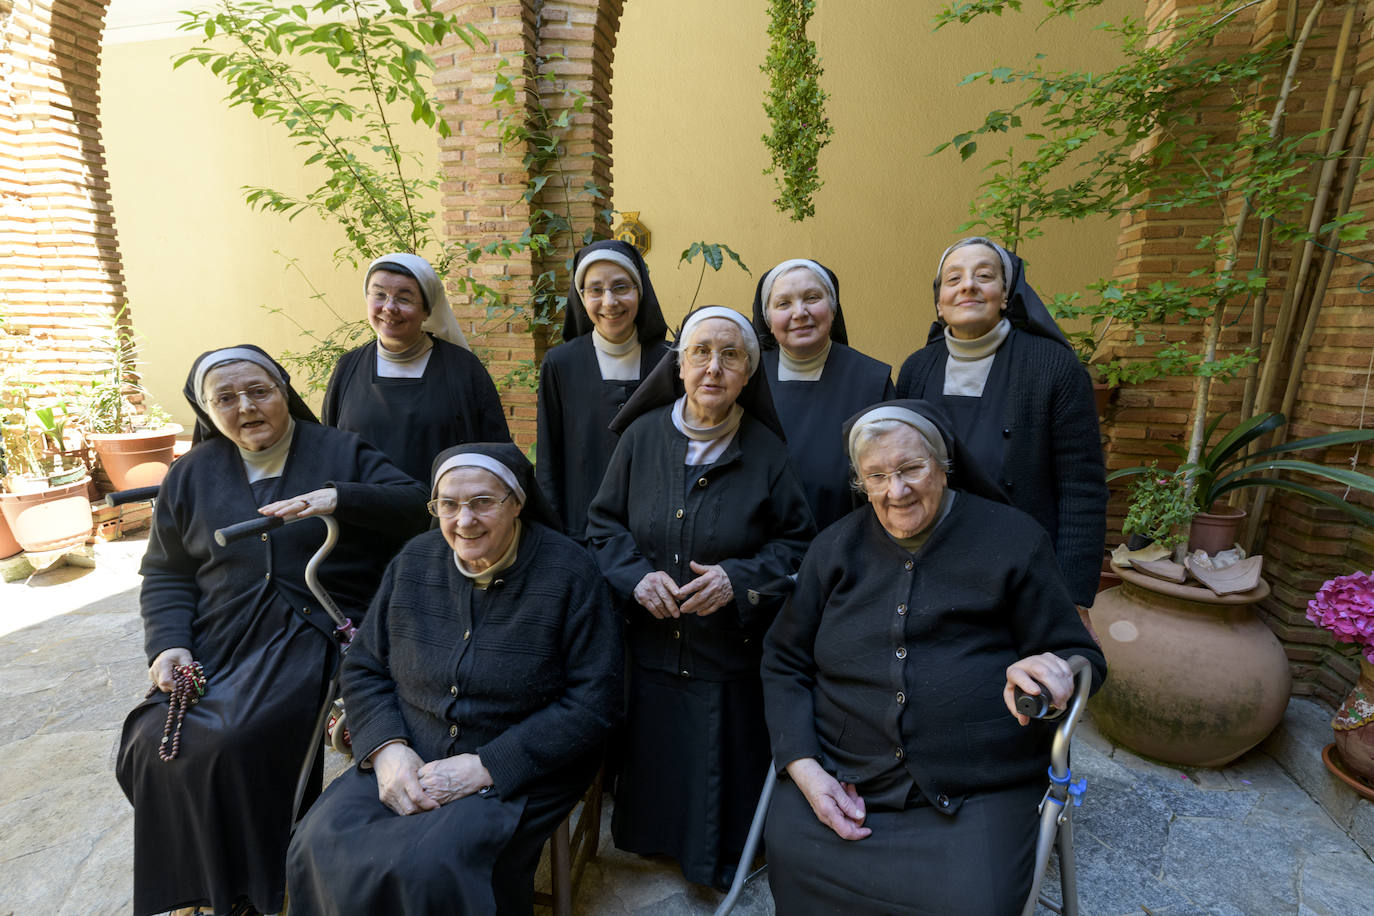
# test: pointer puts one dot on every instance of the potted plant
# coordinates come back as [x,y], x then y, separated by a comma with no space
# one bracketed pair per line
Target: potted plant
[1344,606]
[134,447]
[40,515]
[1161,509]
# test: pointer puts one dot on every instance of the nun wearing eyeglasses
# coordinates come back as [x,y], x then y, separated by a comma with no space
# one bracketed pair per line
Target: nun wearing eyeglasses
[479,692]
[613,333]
[909,784]
[211,826]
[417,389]
[817,380]
[1019,399]
[697,526]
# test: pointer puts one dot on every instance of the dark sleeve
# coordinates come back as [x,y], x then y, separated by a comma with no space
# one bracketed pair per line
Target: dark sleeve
[169,596]
[491,414]
[383,498]
[1076,453]
[576,723]
[789,669]
[889,392]
[1044,618]
[549,446]
[608,522]
[906,378]
[790,530]
[374,713]
[329,413]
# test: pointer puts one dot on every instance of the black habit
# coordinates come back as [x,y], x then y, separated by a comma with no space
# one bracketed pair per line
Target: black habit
[212,826]
[414,419]
[696,744]
[526,674]
[888,667]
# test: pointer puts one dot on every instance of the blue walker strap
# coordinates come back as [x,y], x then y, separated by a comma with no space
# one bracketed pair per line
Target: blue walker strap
[1077,788]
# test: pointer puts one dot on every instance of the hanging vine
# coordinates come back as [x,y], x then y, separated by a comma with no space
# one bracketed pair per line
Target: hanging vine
[795,104]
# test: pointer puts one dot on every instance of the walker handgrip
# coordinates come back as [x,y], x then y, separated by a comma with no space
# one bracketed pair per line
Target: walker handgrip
[135,495]
[247,529]
[1037,707]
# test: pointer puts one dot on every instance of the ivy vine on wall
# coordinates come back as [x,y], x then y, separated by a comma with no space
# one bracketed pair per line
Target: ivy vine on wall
[795,104]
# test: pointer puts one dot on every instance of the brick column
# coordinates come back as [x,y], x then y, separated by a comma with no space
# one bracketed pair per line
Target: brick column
[484,180]
[60,273]
[1303,544]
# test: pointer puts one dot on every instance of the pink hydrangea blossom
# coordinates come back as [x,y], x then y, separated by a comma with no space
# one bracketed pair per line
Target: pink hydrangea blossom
[1345,606]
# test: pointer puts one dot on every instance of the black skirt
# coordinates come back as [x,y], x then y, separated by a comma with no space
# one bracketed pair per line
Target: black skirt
[211,827]
[695,756]
[917,862]
[476,855]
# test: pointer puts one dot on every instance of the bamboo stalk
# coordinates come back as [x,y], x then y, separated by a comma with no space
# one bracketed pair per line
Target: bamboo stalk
[1338,65]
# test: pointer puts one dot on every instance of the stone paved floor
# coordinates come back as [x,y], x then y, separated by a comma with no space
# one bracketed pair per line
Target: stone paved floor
[1152,839]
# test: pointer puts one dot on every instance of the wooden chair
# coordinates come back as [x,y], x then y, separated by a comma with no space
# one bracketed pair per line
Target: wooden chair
[570,849]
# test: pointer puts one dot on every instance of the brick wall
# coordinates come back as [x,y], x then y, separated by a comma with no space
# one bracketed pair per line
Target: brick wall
[484,180]
[60,275]
[1303,545]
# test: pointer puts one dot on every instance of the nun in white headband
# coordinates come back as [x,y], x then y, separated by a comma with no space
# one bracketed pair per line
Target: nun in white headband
[243,612]
[910,783]
[417,388]
[613,336]
[479,692]
[817,380]
[698,525]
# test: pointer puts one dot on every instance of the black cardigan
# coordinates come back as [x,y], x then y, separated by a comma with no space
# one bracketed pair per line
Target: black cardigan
[1052,467]
[190,583]
[747,513]
[528,675]
[884,660]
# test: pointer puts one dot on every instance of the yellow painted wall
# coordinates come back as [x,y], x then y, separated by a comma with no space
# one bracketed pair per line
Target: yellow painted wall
[199,265]
[688,115]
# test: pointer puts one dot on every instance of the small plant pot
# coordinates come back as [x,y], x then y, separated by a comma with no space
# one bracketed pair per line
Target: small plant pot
[1138,542]
[51,519]
[136,459]
[1215,531]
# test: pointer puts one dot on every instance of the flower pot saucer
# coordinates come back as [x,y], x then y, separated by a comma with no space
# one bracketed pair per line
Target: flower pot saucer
[1229,580]
[1332,758]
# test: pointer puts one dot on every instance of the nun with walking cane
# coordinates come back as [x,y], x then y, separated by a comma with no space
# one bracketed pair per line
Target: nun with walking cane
[240,651]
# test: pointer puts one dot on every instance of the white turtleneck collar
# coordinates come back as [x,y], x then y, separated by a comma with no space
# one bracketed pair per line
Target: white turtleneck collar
[617,361]
[970,361]
[408,363]
[801,370]
[706,444]
[484,578]
[269,462]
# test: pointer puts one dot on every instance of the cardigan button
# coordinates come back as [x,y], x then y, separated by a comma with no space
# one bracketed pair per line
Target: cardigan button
[305,611]
[701,481]
[943,801]
[677,634]
[901,651]
[467,633]
[900,753]
[901,698]
[908,565]
[264,535]
[753,597]
[267,576]
[686,673]
[679,513]
[1006,432]
[453,690]
[453,731]
[901,610]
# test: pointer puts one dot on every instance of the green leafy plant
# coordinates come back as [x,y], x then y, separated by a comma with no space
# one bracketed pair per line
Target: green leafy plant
[712,253]
[1161,507]
[117,402]
[1225,467]
[795,105]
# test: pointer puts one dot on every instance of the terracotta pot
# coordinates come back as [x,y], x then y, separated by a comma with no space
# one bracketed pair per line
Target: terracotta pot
[52,519]
[136,459]
[1192,677]
[1102,397]
[1354,726]
[8,545]
[1215,531]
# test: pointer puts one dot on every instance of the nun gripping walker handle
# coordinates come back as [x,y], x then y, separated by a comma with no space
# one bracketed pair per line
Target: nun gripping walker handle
[135,495]
[230,533]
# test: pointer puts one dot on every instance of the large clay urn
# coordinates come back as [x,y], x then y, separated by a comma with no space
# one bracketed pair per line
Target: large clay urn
[1192,677]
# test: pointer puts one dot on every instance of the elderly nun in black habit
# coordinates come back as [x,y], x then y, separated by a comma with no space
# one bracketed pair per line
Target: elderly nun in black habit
[479,693]
[698,525]
[909,783]
[211,826]
[417,389]
[613,333]
[816,379]
[1019,400]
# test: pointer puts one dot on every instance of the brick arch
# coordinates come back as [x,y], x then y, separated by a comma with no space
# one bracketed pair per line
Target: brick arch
[61,277]
[483,180]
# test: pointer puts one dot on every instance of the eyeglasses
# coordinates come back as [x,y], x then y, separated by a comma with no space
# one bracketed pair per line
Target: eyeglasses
[699,355]
[478,505]
[910,474]
[402,300]
[227,400]
[619,290]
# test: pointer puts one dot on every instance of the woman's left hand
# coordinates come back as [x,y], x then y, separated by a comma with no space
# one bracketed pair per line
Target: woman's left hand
[1047,668]
[452,778]
[709,591]
[316,502]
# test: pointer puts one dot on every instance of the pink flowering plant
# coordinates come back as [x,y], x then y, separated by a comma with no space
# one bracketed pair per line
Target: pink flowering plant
[1345,606]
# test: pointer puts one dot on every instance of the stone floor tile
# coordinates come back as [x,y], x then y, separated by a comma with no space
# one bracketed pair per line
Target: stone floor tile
[1218,864]
[1336,884]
